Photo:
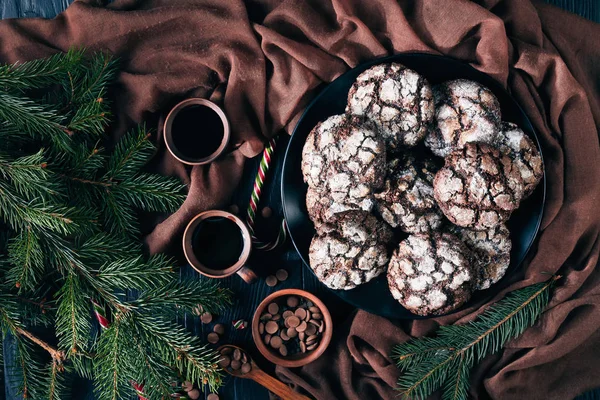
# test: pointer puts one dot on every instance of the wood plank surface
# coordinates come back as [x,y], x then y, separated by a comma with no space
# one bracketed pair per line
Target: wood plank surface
[247,297]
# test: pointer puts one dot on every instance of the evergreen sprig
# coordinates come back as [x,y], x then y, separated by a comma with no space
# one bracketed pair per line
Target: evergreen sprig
[69,236]
[444,361]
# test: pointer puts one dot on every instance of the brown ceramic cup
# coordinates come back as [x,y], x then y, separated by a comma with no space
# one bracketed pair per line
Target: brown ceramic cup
[196,131]
[239,266]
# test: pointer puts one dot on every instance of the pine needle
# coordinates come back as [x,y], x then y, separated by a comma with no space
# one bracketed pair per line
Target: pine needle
[445,360]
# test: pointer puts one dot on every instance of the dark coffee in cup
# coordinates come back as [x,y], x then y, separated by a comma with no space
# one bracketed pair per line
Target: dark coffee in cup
[196,131]
[217,242]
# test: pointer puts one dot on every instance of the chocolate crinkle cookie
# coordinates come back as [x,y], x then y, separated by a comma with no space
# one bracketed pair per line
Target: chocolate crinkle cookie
[465,111]
[406,200]
[352,251]
[431,274]
[322,204]
[478,187]
[524,153]
[397,99]
[491,251]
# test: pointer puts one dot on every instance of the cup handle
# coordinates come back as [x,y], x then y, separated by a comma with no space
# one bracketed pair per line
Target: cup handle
[247,274]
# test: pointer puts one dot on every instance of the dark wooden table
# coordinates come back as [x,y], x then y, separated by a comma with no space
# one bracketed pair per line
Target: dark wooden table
[247,297]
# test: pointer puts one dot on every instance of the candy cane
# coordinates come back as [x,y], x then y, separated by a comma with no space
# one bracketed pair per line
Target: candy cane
[263,168]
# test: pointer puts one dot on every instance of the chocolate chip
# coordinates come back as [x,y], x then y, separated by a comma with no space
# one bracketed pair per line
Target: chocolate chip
[246,368]
[314,309]
[224,361]
[317,316]
[213,337]
[193,394]
[292,321]
[261,328]
[244,358]
[301,335]
[302,347]
[219,328]
[292,301]
[302,327]
[276,342]
[266,317]
[226,350]
[281,274]
[267,339]
[273,308]
[287,313]
[266,212]
[312,346]
[236,364]
[206,318]
[276,317]
[292,332]
[311,329]
[321,328]
[284,335]
[300,313]
[271,280]
[237,354]
[271,327]
[283,350]
[311,339]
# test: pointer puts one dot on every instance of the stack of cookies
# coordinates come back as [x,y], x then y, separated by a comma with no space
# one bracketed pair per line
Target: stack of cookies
[436,163]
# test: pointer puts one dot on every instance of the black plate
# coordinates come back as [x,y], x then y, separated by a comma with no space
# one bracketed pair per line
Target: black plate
[375,296]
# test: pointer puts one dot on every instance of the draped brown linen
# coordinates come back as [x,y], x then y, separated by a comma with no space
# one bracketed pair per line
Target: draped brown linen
[263,60]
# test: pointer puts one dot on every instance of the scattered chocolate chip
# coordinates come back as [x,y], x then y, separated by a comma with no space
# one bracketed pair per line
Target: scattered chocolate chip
[271,327]
[281,274]
[273,308]
[213,337]
[292,301]
[271,280]
[212,396]
[266,212]
[206,318]
[187,386]
[234,209]
[194,394]
[219,328]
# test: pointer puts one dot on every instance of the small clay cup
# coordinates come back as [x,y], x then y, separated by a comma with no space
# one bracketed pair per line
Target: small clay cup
[297,360]
[223,135]
[239,267]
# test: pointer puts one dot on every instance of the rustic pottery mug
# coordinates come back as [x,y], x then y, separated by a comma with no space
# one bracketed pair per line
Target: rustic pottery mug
[196,131]
[217,244]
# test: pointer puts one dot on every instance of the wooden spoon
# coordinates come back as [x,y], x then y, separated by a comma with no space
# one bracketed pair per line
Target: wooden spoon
[258,375]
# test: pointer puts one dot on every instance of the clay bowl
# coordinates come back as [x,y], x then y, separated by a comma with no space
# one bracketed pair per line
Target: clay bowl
[300,359]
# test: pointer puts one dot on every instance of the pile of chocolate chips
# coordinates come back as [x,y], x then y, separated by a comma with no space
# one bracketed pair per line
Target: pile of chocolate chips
[235,361]
[292,325]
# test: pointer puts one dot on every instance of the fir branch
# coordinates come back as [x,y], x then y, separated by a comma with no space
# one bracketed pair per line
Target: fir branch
[136,273]
[132,152]
[73,316]
[28,175]
[91,118]
[90,83]
[39,73]
[37,120]
[27,258]
[151,193]
[445,360]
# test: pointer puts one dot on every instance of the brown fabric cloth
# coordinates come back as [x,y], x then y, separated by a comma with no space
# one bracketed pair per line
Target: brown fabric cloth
[264,60]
